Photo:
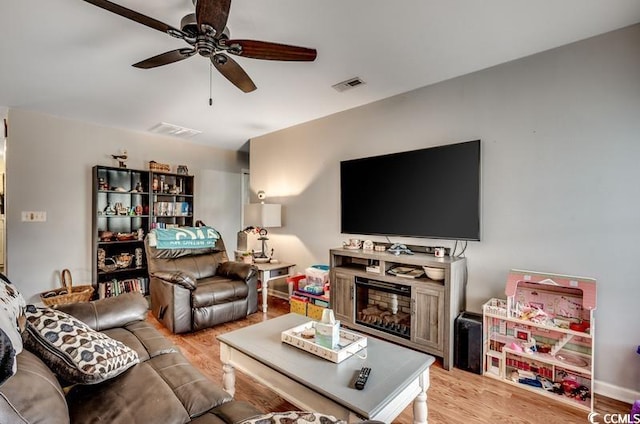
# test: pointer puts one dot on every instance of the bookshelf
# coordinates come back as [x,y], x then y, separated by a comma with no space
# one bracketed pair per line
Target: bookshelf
[126,205]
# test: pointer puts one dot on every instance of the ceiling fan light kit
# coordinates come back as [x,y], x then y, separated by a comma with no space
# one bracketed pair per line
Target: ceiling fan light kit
[207,34]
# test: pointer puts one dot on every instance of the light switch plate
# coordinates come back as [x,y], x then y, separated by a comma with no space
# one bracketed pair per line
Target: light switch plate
[34,216]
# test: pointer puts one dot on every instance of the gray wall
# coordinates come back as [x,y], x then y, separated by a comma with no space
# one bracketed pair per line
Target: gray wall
[560,151]
[49,163]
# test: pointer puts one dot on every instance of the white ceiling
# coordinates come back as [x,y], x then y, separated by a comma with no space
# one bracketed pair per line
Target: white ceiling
[71,59]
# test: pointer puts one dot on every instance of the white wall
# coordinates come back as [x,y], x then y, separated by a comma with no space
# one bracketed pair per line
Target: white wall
[220,204]
[49,163]
[560,152]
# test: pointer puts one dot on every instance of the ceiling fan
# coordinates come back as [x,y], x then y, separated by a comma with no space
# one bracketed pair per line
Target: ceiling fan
[206,33]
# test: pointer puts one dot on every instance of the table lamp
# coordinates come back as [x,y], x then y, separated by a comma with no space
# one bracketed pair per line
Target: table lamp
[262,215]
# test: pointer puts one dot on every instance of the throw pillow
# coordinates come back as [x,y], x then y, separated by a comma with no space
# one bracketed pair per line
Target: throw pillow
[7,358]
[11,324]
[294,417]
[186,238]
[74,351]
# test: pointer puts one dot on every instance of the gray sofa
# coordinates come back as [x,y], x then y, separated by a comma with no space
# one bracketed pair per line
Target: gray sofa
[162,388]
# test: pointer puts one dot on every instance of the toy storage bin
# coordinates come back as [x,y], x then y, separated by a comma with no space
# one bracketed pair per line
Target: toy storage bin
[314,311]
[298,305]
[316,276]
[296,282]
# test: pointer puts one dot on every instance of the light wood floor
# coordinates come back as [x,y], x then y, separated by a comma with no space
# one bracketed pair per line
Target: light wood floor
[455,397]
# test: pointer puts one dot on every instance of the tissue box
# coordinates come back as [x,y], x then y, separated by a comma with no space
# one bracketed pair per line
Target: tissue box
[328,335]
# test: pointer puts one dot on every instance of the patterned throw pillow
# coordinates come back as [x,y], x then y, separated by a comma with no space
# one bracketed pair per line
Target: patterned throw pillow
[72,350]
[11,317]
[293,417]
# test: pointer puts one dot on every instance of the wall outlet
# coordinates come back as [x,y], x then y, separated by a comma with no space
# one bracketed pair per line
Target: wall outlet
[34,216]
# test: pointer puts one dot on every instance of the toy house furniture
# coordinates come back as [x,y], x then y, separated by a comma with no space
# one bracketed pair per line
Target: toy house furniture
[192,289]
[541,337]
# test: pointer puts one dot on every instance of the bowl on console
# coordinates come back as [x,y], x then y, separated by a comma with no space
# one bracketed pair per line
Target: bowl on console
[436,274]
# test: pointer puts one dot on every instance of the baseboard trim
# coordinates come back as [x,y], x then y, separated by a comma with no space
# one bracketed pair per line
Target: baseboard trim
[615,392]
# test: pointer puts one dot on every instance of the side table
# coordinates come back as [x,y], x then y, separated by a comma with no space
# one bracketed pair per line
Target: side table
[268,272]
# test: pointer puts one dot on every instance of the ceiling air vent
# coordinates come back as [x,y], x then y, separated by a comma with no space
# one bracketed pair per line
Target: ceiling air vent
[348,84]
[173,130]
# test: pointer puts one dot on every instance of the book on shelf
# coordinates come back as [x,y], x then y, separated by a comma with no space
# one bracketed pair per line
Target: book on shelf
[116,287]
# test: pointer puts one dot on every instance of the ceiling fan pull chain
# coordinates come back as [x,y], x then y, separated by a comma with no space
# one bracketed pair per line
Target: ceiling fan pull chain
[210,83]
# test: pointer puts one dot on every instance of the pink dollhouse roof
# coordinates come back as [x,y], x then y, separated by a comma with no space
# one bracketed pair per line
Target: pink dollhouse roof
[587,285]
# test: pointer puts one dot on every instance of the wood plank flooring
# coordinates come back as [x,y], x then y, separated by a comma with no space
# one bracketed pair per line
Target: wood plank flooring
[455,397]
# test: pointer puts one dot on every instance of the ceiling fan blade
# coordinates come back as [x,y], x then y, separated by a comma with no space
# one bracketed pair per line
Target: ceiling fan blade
[230,69]
[213,13]
[165,58]
[270,51]
[137,17]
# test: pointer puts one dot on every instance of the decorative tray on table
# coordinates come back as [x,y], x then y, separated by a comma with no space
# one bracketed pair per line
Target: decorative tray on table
[350,343]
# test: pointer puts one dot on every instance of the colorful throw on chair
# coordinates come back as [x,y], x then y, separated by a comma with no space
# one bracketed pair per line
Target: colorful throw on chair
[186,237]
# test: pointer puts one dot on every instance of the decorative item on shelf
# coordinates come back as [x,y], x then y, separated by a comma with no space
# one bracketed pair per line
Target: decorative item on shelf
[121,158]
[102,184]
[353,244]
[379,248]
[262,216]
[439,252]
[109,209]
[120,208]
[436,274]
[126,236]
[124,260]
[102,256]
[156,166]
[182,170]
[138,256]
[259,259]
[247,257]
[138,210]
[105,235]
[174,189]
[138,188]
[140,233]
[367,245]
[109,265]
[398,248]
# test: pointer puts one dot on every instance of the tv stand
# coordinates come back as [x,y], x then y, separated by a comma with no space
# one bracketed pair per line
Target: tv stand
[416,312]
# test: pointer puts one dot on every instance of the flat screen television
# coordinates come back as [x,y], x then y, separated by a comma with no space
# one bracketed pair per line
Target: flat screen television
[430,193]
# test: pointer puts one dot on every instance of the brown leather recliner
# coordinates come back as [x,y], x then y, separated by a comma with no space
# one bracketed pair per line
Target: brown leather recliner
[192,289]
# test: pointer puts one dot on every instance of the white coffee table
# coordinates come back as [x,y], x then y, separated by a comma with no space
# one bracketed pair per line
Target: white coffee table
[399,375]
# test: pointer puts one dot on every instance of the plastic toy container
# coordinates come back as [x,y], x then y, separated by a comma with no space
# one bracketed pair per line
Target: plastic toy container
[317,276]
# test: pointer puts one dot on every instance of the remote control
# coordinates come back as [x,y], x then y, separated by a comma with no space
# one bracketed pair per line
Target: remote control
[362,378]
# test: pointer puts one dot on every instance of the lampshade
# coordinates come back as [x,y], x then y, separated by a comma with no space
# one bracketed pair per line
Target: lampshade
[262,215]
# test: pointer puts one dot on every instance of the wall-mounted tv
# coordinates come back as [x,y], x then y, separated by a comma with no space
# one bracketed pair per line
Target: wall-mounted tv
[431,193]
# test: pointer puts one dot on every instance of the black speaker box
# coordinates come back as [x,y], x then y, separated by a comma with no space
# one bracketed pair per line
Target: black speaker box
[468,342]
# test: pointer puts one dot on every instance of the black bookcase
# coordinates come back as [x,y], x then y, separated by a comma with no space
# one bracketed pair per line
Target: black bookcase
[126,205]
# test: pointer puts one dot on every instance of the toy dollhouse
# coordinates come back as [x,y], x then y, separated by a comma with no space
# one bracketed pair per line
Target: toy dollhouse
[541,337]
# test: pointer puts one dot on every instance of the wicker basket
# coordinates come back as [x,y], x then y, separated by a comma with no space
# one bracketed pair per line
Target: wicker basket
[67,293]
